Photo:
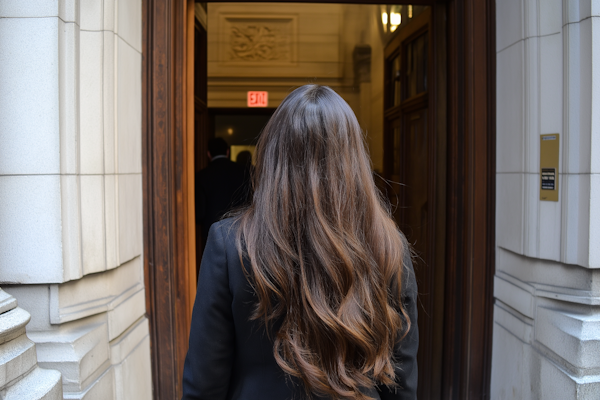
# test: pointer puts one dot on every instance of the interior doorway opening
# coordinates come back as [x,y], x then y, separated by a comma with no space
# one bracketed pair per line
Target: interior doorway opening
[388,65]
[175,114]
[239,127]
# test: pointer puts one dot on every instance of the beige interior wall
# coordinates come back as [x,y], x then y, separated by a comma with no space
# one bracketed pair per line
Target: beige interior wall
[301,44]
[375,133]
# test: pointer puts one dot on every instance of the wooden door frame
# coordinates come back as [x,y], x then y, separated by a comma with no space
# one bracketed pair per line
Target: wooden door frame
[471,199]
[169,234]
[168,186]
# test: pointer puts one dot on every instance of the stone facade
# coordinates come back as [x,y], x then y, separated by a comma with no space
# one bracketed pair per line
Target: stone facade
[71,189]
[71,192]
[547,283]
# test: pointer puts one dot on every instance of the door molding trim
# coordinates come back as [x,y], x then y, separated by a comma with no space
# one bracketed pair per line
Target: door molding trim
[471,199]
[169,230]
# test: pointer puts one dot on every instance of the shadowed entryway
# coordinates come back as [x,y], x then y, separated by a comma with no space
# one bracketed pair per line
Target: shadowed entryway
[439,132]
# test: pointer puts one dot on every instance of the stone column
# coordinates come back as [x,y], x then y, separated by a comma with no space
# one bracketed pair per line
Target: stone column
[71,189]
[547,283]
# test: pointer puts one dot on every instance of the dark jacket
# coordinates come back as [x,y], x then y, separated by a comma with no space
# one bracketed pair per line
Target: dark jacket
[220,187]
[231,357]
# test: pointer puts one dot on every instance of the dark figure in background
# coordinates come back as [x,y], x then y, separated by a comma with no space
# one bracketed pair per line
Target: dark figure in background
[244,158]
[221,186]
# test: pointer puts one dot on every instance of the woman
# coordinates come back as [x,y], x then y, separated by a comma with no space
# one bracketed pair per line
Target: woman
[309,292]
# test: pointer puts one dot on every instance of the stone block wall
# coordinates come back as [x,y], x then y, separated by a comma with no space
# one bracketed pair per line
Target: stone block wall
[71,189]
[547,283]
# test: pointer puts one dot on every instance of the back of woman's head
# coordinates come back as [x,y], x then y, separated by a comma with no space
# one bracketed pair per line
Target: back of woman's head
[326,258]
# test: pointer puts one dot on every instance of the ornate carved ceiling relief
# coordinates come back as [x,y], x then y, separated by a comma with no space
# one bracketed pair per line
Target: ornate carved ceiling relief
[258,40]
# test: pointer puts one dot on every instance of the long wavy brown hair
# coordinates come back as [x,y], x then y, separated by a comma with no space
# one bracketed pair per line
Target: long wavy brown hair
[326,258]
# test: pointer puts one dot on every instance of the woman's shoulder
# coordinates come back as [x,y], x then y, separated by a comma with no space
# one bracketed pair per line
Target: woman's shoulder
[225,232]
[225,228]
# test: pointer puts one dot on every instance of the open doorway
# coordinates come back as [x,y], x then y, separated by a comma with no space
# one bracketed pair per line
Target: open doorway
[385,62]
[419,83]
[239,127]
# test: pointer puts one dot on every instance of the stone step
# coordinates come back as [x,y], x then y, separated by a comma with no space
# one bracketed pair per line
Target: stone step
[39,384]
[20,376]
[12,324]
[17,357]
[7,302]
[79,353]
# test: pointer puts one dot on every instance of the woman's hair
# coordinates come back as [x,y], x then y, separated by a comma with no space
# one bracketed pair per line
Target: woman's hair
[326,258]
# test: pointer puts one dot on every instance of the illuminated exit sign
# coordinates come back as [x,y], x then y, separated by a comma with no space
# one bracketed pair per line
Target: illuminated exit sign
[258,99]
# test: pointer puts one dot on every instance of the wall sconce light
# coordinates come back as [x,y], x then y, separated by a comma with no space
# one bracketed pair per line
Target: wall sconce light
[391,17]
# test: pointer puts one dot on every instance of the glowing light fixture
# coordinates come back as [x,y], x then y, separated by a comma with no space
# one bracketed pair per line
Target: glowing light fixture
[391,17]
[229,131]
[395,20]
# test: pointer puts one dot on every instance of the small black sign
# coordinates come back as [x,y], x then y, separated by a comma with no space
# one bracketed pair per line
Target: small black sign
[548,178]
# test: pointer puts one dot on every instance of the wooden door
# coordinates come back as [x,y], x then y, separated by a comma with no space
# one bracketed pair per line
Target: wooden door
[410,163]
[168,186]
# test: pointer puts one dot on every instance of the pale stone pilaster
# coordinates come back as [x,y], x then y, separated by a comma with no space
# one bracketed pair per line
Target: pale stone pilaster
[547,284]
[71,189]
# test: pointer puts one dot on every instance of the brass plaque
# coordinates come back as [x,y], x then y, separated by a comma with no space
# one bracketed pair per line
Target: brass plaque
[549,151]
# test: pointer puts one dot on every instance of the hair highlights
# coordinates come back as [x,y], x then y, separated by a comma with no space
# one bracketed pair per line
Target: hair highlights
[325,255]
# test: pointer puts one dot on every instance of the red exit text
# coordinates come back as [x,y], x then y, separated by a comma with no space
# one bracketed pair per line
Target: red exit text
[258,99]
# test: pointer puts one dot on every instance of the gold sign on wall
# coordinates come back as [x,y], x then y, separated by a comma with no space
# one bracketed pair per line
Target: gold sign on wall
[549,150]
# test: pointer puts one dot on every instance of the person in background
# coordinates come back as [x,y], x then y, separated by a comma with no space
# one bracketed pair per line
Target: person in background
[220,187]
[309,291]
[244,158]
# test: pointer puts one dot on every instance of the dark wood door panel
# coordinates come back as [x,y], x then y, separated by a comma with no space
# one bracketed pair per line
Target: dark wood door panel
[168,183]
[410,161]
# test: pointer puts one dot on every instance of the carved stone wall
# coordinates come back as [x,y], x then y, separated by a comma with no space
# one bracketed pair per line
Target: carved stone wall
[279,40]
[547,282]
[256,40]
[71,190]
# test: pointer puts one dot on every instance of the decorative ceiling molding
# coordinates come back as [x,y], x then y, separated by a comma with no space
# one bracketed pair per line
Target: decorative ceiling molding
[259,39]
